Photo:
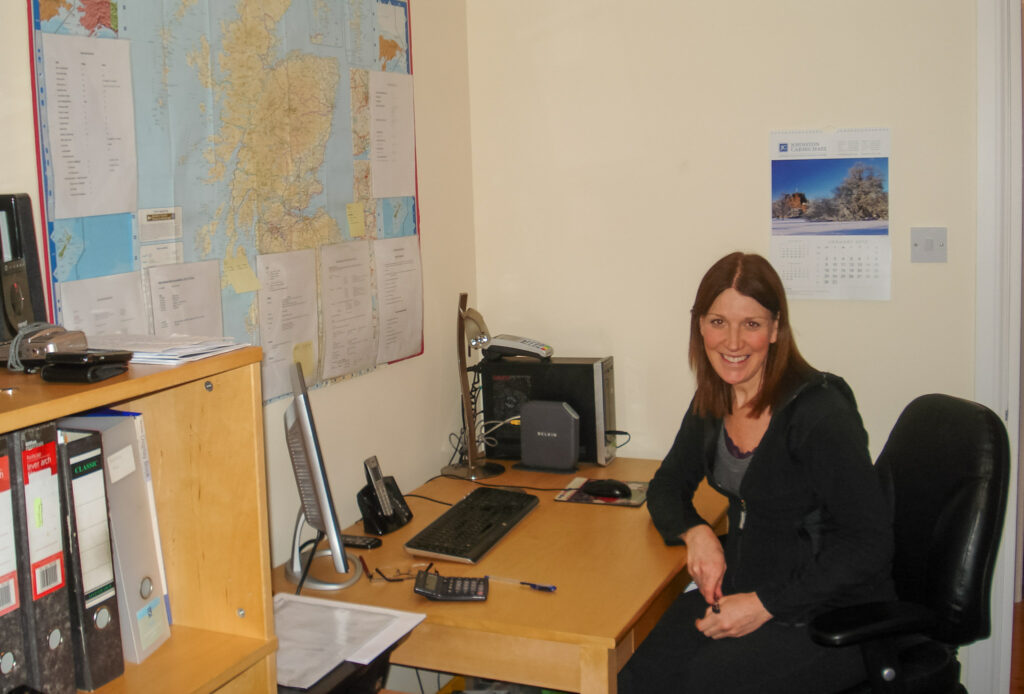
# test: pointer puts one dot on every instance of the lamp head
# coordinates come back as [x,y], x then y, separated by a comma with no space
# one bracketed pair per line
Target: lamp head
[476,329]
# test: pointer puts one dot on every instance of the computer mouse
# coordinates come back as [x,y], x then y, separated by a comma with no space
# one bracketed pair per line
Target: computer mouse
[609,489]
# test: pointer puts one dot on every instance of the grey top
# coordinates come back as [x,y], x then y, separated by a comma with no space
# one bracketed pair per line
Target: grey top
[730,463]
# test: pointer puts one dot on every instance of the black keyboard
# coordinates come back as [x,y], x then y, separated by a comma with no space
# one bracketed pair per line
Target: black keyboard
[465,532]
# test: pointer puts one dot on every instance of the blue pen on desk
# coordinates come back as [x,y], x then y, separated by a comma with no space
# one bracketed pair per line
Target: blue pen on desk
[545,587]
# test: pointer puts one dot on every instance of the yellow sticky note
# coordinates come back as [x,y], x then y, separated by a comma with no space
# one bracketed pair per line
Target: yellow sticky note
[356,220]
[302,353]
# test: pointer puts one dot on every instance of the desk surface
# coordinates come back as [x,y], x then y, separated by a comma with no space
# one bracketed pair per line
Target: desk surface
[614,575]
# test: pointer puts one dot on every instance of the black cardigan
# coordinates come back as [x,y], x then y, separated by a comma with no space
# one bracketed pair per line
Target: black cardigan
[813,529]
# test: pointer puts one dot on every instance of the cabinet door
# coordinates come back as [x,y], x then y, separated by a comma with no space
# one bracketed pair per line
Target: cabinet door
[205,441]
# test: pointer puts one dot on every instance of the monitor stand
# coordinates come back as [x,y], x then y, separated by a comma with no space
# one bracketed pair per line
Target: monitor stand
[293,569]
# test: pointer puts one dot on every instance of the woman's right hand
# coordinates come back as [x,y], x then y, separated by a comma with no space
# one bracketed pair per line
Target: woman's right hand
[705,561]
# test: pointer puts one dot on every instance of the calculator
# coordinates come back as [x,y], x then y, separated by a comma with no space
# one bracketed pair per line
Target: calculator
[438,587]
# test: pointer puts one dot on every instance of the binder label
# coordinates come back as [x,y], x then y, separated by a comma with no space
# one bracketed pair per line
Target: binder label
[42,508]
[151,623]
[90,497]
[47,576]
[8,555]
[120,464]
[8,593]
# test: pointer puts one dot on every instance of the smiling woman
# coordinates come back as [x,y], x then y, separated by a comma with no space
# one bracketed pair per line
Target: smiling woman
[737,333]
[748,286]
[808,524]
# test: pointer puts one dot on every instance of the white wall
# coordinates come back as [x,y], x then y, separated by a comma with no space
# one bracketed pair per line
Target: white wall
[618,152]
[17,148]
[619,149]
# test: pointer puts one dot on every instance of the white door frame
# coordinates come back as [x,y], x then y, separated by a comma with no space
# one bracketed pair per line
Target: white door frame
[998,310]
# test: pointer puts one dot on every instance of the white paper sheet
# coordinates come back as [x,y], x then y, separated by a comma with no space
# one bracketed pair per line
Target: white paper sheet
[104,305]
[160,224]
[314,635]
[160,236]
[350,343]
[288,317]
[91,119]
[399,298]
[185,299]
[392,133]
[150,349]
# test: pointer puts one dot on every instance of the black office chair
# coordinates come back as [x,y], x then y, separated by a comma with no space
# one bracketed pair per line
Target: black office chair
[946,466]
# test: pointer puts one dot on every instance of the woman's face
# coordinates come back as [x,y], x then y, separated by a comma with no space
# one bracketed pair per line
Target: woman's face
[737,332]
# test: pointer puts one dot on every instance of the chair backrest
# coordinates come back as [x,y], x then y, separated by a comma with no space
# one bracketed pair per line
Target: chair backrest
[946,463]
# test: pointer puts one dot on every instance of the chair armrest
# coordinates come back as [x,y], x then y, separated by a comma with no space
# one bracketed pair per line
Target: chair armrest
[846,626]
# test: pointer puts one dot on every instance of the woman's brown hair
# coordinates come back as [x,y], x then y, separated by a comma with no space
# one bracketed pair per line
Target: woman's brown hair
[753,276]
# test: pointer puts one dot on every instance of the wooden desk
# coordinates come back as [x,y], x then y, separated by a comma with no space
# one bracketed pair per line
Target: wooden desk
[614,574]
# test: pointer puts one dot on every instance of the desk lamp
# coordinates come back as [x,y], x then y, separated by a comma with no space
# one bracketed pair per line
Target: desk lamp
[472,330]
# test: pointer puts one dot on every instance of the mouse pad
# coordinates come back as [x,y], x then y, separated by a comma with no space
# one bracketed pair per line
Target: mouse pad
[573,493]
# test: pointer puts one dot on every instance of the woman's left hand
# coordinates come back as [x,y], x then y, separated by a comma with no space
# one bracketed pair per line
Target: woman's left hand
[738,615]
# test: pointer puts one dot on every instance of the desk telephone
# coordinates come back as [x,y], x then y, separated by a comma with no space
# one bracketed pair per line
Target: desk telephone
[515,346]
[381,502]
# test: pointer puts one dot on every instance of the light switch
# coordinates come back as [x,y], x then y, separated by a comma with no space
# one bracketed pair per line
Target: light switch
[927,244]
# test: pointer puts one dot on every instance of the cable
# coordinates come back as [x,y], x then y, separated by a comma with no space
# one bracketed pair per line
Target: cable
[459,441]
[508,486]
[483,433]
[615,432]
[309,562]
[14,348]
[427,498]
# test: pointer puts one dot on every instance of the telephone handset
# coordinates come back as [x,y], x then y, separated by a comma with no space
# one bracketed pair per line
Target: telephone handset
[375,478]
[381,502]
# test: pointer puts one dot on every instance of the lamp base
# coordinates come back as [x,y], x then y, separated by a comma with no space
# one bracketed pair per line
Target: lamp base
[473,472]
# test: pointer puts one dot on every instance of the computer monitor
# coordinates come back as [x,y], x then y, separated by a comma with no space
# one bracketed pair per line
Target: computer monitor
[317,509]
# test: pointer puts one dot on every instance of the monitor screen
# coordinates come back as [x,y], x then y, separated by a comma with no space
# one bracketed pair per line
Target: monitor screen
[310,474]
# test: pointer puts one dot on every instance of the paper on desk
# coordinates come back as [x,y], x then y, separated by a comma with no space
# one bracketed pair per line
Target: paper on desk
[176,349]
[315,635]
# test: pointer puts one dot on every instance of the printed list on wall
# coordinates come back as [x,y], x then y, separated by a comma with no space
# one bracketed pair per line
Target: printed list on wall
[243,167]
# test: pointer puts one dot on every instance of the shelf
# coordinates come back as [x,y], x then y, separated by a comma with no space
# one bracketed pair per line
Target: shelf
[26,399]
[192,660]
[204,434]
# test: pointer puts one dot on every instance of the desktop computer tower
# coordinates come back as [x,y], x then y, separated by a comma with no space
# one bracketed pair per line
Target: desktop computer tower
[587,384]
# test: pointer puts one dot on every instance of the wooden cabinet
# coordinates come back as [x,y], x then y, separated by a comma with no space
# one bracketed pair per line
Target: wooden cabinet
[204,427]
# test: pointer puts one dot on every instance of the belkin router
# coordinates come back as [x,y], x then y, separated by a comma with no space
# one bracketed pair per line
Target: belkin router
[550,436]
